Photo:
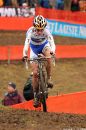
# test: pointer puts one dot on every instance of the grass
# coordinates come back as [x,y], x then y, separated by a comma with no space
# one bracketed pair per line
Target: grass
[18,37]
[69,76]
[69,40]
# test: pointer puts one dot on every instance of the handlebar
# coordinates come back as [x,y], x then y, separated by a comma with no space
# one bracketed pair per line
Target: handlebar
[40,58]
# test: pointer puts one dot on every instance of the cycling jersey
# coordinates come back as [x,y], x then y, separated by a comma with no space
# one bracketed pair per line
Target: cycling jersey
[38,42]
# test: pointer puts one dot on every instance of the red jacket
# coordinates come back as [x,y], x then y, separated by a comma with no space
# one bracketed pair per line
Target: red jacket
[11,99]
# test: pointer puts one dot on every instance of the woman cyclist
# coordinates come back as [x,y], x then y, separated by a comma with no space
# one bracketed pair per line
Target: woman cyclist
[40,41]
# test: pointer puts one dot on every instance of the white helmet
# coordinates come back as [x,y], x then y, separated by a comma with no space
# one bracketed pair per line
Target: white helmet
[39,22]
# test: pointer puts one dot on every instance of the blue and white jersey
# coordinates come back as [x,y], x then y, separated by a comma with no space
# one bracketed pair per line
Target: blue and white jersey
[34,39]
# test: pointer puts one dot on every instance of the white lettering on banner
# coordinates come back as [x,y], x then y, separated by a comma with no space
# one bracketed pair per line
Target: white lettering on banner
[25,12]
[7,12]
[60,28]
[51,26]
[71,29]
[56,27]
[11,12]
[19,12]
[83,31]
[32,11]
[67,29]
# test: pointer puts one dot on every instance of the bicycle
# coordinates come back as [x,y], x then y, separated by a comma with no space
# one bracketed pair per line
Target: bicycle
[42,79]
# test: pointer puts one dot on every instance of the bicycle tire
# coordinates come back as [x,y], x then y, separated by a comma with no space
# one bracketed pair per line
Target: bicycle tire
[44,104]
[42,87]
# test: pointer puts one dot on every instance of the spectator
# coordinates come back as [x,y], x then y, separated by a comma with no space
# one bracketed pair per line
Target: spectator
[1,3]
[33,3]
[82,4]
[14,3]
[75,5]
[39,2]
[25,10]
[52,3]
[12,96]
[20,2]
[60,4]
[7,3]
[45,4]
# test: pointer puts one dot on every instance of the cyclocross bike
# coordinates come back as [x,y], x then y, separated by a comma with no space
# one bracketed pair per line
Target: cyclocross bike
[42,79]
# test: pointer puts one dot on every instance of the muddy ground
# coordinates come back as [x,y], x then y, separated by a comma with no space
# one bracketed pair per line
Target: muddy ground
[11,119]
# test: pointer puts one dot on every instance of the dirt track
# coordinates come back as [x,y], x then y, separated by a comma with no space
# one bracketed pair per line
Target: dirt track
[31,120]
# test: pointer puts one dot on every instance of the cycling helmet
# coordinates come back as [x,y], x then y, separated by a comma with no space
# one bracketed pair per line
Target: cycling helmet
[39,22]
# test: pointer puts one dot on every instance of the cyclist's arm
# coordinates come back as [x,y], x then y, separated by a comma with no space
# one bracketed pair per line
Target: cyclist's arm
[51,41]
[27,42]
[52,44]
[26,46]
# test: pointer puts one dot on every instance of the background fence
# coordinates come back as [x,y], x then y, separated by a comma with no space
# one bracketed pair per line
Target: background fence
[68,51]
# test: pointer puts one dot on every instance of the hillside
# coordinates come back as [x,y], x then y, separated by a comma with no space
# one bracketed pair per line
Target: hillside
[69,76]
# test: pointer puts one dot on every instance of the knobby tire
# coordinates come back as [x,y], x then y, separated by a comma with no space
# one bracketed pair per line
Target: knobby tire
[42,86]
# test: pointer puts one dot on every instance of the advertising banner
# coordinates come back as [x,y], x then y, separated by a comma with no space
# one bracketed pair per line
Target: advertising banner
[17,12]
[15,23]
[15,52]
[67,29]
[64,15]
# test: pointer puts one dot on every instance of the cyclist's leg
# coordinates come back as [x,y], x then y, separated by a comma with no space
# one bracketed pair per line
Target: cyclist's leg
[48,67]
[34,67]
[46,52]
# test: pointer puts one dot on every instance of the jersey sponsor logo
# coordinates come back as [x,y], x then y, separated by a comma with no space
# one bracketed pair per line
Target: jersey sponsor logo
[38,39]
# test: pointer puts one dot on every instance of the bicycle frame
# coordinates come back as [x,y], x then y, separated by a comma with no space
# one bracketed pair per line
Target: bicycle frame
[43,90]
[42,72]
[42,80]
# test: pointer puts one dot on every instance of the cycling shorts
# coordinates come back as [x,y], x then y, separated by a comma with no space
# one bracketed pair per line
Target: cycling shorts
[37,49]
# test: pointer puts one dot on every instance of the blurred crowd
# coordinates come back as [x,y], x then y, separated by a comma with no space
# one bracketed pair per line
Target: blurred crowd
[58,4]
[76,5]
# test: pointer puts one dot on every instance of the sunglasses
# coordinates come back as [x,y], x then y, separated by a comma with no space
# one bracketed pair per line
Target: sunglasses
[39,30]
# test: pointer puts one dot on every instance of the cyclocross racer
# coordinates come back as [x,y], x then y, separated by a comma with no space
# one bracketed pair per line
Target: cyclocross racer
[40,40]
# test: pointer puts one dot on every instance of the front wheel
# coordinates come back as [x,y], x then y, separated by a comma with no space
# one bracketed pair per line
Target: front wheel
[43,89]
[44,104]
